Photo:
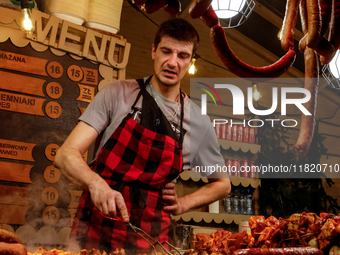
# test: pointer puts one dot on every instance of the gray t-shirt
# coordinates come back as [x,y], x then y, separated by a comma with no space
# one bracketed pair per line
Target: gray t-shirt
[109,107]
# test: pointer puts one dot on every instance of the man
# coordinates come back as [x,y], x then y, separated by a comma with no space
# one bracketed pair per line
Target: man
[146,137]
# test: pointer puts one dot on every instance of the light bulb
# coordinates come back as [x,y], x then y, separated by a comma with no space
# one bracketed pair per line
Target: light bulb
[334,65]
[256,93]
[192,68]
[226,9]
[279,34]
[26,21]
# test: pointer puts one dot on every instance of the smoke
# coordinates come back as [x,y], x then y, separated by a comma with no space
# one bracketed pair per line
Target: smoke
[47,215]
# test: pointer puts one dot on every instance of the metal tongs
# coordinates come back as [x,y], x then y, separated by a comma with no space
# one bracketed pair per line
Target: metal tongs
[139,232]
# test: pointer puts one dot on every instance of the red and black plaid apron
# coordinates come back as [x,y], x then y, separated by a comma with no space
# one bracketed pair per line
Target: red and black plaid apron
[137,160]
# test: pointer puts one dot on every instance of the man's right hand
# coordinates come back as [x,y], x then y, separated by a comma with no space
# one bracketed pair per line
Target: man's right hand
[71,163]
[107,200]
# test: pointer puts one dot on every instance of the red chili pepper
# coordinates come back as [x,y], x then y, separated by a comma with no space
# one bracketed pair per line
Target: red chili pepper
[241,69]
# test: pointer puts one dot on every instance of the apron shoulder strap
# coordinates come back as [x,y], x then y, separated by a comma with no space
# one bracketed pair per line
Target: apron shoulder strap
[166,124]
[142,86]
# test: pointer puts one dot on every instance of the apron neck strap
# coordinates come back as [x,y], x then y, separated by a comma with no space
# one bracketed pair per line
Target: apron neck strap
[182,117]
[142,86]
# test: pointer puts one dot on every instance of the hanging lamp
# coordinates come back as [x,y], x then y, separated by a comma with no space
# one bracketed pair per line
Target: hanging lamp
[233,12]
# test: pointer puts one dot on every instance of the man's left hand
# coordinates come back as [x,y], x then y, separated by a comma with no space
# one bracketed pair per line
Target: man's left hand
[172,203]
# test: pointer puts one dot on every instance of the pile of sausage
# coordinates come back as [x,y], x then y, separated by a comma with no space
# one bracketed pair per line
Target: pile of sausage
[10,244]
[43,251]
[300,234]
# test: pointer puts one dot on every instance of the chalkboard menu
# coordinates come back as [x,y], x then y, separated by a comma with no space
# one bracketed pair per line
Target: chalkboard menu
[41,97]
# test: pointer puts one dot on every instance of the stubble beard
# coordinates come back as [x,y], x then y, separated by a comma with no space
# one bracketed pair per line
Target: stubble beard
[165,82]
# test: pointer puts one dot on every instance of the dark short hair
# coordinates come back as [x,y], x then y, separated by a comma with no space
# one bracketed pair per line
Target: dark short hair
[179,29]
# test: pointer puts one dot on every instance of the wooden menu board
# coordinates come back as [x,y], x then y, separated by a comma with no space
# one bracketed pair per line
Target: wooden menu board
[41,97]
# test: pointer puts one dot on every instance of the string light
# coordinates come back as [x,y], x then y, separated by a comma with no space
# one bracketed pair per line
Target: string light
[192,68]
[26,20]
[256,93]
[279,34]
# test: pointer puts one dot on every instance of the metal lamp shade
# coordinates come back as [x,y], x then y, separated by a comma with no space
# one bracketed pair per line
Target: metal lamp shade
[233,12]
[331,71]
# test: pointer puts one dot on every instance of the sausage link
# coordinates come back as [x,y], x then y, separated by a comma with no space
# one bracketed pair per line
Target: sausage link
[152,6]
[314,23]
[311,84]
[210,18]
[326,14]
[12,249]
[326,50]
[334,35]
[280,251]
[241,69]
[8,237]
[289,22]
[303,16]
[304,25]
[172,7]
[198,8]
[335,25]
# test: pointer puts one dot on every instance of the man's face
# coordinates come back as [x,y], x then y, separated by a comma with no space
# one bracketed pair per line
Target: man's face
[172,59]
